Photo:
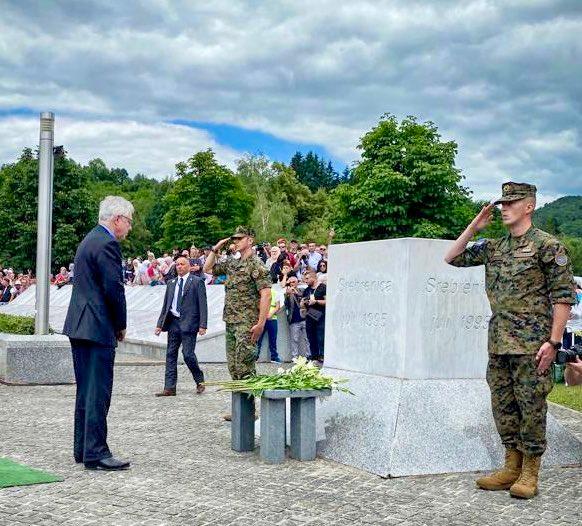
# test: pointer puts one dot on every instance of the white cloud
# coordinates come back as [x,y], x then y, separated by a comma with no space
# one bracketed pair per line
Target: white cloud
[151,149]
[498,76]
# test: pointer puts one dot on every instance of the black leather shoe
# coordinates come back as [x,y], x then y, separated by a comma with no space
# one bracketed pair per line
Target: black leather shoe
[107,464]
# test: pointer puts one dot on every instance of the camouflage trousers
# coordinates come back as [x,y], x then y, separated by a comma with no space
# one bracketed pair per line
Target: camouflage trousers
[241,352]
[518,400]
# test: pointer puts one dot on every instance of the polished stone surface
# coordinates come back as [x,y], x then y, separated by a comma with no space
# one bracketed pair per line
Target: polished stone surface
[303,439]
[273,430]
[35,360]
[242,427]
[417,427]
[410,332]
[395,308]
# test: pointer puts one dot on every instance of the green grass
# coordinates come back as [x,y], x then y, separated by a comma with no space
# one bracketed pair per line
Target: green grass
[16,324]
[13,474]
[568,396]
[12,324]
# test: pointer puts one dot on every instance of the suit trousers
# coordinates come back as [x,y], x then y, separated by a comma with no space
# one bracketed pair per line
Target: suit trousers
[93,365]
[188,341]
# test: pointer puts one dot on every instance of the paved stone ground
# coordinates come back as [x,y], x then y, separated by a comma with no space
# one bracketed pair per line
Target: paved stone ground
[183,471]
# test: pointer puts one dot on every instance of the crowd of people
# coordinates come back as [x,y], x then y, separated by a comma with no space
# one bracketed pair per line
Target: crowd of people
[298,272]
[13,284]
[282,259]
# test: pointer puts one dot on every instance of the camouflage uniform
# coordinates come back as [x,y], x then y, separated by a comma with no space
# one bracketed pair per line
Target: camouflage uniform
[245,278]
[524,276]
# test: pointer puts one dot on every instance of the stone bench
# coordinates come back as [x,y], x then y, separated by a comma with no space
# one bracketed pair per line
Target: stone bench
[273,424]
[35,360]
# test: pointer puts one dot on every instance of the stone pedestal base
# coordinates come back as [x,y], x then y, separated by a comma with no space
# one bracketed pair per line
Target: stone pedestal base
[394,427]
[35,360]
[242,426]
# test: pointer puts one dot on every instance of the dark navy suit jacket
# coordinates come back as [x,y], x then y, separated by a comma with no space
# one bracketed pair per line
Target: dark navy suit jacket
[194,310]
[97,309]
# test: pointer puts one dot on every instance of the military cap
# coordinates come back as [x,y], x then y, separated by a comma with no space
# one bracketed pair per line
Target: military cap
[243,231]
[515,191]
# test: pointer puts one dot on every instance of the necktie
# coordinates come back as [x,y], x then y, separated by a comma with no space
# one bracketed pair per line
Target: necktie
[180,287]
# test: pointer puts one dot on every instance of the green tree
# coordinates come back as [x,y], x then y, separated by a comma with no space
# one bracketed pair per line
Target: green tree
[313,172]
[74,210]
[205,203]
[574,247]
[272,216]
[406,184]
[562,216]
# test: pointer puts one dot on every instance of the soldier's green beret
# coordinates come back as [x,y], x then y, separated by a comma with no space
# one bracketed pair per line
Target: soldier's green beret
[515,191]
[243,231]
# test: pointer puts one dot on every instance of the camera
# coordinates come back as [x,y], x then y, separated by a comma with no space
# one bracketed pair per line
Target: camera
[564,356]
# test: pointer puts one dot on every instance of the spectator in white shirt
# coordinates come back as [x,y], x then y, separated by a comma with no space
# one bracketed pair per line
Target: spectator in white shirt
[313,257]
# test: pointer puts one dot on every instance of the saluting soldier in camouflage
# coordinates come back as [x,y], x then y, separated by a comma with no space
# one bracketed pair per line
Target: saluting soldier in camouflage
[245,308]
[530,287]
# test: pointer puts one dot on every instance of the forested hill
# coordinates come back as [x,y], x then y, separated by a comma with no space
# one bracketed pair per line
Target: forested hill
[562,216]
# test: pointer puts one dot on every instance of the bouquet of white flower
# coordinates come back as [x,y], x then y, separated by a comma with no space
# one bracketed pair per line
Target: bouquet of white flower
[304,375]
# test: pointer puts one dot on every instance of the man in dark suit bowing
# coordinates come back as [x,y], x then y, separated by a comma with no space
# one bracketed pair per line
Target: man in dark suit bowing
[96,320]
[184,315]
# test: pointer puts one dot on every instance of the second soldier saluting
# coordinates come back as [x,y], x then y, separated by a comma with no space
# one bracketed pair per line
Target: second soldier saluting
[246,302]
[530,287]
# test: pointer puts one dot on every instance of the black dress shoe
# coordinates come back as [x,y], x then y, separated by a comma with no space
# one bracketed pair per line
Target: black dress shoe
[107,464]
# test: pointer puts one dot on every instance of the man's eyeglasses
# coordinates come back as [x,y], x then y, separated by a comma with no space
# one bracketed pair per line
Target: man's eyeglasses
[129,221]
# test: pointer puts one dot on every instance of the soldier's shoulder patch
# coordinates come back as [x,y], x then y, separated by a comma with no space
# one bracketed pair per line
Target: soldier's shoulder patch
[561,260]
[255,273]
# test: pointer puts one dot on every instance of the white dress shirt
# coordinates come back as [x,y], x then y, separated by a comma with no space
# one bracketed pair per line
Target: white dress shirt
[313,259]
[174,308]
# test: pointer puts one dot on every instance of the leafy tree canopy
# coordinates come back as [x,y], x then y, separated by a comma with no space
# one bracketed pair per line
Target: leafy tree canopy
[205,204]
[563,216]
[407,184]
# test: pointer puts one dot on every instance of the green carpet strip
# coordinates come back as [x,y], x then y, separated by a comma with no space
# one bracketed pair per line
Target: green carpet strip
[13,474]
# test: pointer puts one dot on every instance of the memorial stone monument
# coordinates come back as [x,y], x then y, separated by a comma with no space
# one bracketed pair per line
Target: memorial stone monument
[410,334]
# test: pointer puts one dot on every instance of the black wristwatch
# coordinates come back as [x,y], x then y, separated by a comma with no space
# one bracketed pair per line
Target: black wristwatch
[557,345]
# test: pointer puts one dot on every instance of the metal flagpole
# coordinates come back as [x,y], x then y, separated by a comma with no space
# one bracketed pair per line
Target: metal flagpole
[44,221]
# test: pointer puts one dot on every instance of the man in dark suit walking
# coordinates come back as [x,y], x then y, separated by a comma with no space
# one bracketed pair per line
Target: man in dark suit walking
[96,320]
[184,315]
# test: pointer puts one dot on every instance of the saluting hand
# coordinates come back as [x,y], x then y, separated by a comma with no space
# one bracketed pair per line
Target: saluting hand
[220,244]
[483,218]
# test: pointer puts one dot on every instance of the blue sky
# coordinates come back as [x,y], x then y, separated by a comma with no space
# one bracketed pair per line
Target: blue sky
[260,143]
[146,84]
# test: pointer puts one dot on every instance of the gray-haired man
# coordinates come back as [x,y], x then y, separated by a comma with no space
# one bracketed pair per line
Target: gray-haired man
[96,320]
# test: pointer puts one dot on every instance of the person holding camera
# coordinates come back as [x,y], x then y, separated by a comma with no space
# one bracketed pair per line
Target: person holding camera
[530,287]
[296,318]
[573,372]
[313,303]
